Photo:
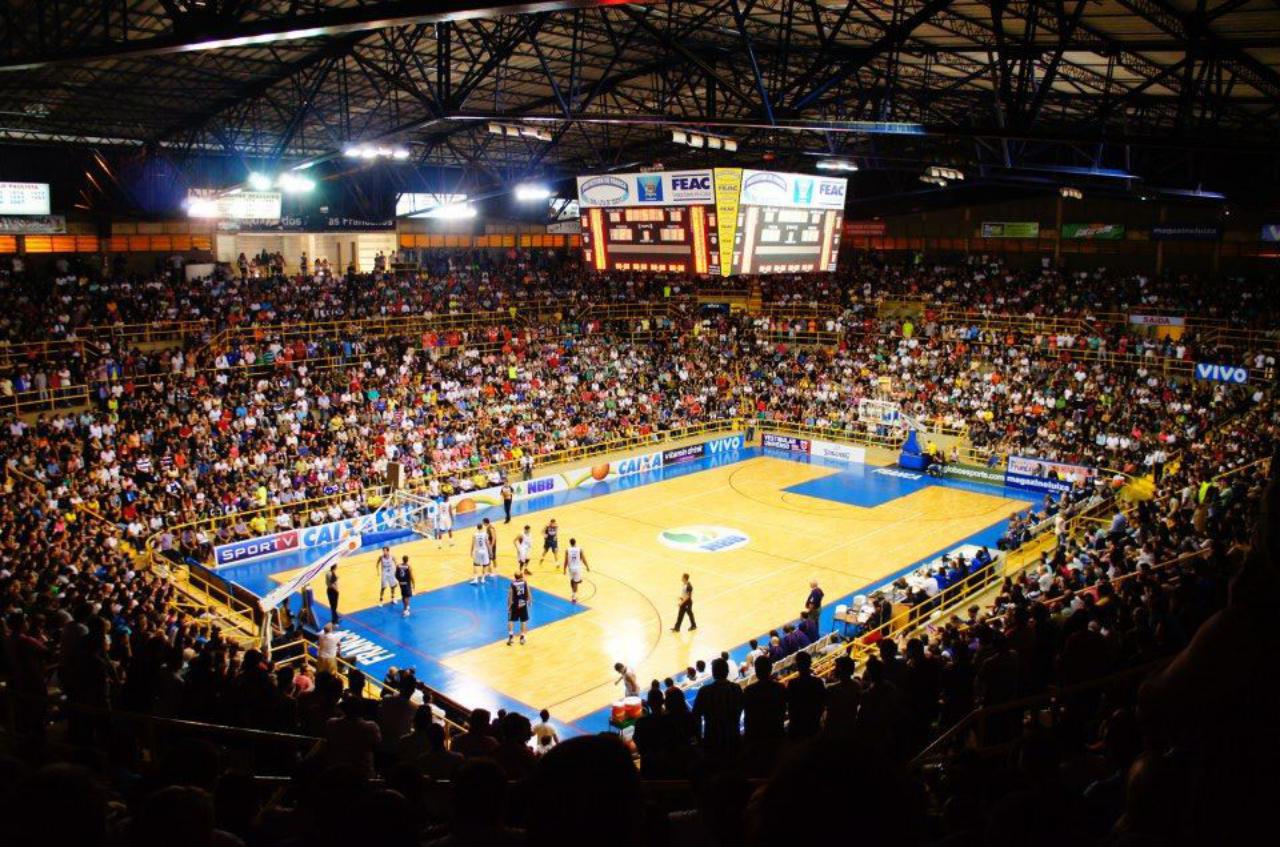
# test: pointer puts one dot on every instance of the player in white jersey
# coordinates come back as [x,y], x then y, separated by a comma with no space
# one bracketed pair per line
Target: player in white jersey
[444,523]
[575,561]
[480,556]
[387,572]
[524,549]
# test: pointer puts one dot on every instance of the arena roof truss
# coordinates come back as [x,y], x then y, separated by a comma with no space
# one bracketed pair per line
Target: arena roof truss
[1161,87]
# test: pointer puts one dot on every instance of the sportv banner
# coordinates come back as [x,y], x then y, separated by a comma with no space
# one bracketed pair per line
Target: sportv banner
[800,191]
[320,535]
[1093,232]
[1221,373]
[785,442]
[660,188]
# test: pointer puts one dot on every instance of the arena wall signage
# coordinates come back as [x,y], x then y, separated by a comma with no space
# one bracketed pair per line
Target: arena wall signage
[1010,229]
[840,452]
[317,223]
[24,198]
[973,472]
[320,535]
[1093,232]
[1044,475]
[1186,232]
[873,229]
[484,498]
[1271,232]
[32,224]
[785,442]
[666,188]
[1221,373]
[1157,320]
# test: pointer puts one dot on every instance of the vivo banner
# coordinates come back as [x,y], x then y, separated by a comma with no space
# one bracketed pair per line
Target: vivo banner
[321,535]
[785,442]
[1221,373]
[799,191]
[660,188]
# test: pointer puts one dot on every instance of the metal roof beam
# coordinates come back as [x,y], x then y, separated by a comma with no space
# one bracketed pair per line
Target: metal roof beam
[261,31]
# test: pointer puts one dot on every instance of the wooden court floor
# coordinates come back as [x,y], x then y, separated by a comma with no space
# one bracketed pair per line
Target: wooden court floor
[632,589]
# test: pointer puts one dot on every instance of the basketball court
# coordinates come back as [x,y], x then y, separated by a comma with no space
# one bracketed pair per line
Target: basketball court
[751,527]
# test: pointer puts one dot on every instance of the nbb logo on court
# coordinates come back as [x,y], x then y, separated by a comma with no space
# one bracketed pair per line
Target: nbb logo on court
[702,538]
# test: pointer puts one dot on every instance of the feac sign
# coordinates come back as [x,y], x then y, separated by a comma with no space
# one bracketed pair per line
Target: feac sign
[1221,373]
[691,183]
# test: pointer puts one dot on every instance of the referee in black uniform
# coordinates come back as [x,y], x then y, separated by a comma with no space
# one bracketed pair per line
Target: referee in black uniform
[686,605]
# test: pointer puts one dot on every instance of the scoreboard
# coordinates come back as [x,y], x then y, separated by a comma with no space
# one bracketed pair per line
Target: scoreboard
[711,222]
[776,239]
[670,239]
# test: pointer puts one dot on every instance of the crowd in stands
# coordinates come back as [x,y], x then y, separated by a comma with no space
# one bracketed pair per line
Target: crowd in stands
[81,614]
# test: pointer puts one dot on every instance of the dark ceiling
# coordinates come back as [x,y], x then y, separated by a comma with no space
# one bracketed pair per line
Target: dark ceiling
[1174,92]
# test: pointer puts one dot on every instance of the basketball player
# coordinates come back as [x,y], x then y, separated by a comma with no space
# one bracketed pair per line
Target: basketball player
[387,568]
[492,535]
[550,542]
[404,577]
[518,602]
[574,562]
[524,549]
[479,557]
[444,523]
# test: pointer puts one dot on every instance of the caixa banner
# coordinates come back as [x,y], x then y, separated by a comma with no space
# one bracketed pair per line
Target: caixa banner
[1221,373]
[320,535]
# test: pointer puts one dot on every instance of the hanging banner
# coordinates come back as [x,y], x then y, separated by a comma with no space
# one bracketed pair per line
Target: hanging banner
[1186,232]
[728,191]
[1010,229]
[33,225]
[1093,232]
[793,191]
[666,188]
